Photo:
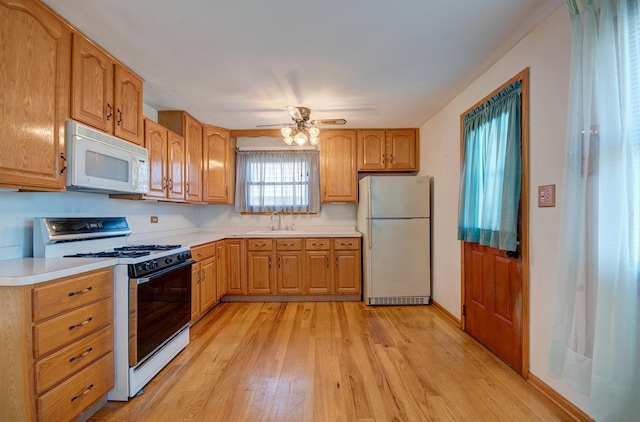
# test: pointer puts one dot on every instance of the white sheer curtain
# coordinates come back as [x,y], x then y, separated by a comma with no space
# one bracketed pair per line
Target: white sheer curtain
[268,181]
[595,343]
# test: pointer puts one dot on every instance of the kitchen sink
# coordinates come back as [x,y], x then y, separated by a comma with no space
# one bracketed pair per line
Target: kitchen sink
[278,232]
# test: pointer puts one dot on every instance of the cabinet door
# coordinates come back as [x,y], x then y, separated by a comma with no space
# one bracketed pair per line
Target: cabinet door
[221,266]
[216,174]
[260,272]
[403,149]
[207,283]
[92,85]
[290,279]
[346,275]
[317,272]
[35,62]
[338,173]
[195,291]
[371,150]
[175,165]
[155,140]
[128,106]
[193,159]
[237,267]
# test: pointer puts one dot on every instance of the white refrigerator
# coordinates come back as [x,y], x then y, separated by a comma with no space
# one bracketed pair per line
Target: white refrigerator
[394,219]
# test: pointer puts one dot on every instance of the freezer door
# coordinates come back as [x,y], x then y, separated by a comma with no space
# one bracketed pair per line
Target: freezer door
[399,196]
[399,258]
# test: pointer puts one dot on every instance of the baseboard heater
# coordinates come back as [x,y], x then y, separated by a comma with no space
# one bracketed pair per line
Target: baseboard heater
[409,300]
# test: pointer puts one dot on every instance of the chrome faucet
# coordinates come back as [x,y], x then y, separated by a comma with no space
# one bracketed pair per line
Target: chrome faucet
[276,214]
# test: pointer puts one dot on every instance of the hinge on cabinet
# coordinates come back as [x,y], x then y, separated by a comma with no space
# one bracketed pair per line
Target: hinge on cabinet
[464,310]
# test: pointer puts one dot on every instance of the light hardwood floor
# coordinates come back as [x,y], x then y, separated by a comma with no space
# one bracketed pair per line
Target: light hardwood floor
[333,361]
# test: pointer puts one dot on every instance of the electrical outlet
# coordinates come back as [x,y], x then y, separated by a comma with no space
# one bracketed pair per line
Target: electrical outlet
[154,219]
[547,196]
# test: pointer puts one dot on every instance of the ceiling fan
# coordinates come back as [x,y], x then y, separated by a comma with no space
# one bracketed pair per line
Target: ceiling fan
[302,129]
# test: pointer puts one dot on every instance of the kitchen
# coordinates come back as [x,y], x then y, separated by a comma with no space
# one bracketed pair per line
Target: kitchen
[544,50]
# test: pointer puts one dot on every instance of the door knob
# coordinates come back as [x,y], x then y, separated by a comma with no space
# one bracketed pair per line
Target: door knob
[513,254]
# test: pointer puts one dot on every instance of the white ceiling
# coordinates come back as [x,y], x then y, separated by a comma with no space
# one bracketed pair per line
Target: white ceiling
[239,63]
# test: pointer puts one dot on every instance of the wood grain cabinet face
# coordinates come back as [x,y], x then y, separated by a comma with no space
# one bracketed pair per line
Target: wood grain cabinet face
[185,125]
[290,263]
[203,279]
[237,266]
[390,150]
[338,172]
[105,94]
[34,86]
[166,162]
[221,268]
[261,269]
[219,166]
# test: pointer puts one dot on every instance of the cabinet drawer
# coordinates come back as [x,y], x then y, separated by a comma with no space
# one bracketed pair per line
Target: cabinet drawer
[71,293]
[289,244]
[346,243]
[260,244]
[317,244]
[67,328]
[68,399]
[60,365]
[203,251]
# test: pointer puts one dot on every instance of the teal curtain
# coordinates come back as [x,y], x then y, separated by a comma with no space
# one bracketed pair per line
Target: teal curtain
[492,171]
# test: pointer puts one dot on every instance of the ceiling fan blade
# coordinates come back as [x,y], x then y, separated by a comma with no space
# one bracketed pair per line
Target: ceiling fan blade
[328,122]
[276,125]
[295,112]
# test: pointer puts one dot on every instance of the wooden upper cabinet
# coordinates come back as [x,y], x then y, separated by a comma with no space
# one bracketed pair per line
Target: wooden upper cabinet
[394,150]
[34,87]
[218,166]
[338,173]
[166,162]
[105,94]
[190,129]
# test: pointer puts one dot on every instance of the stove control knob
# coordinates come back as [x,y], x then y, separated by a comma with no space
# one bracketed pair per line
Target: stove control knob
[154,264]
[146,266]
[183,256]
[168,261]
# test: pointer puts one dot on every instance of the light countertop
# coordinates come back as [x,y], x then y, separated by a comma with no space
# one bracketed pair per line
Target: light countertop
[27,271]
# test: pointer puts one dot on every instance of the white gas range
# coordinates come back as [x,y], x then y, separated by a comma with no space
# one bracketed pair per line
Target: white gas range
[152,292]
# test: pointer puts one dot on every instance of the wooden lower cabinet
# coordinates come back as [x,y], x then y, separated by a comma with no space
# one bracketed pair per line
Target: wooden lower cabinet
[290,272]
[261,271]
[347,269]
[236,266]
[203,279]
[317,266]
[53,372]
[221,269]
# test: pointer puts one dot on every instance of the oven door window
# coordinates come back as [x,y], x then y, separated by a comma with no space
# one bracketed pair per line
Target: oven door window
[163,308]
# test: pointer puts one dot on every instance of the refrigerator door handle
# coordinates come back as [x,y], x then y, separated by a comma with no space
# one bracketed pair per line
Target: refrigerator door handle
[369,219]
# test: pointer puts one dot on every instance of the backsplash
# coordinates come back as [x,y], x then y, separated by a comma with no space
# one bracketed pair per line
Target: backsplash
[18,209]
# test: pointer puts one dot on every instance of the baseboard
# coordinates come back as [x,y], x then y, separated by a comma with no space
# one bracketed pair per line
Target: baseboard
[571,409]
[292,298]
[446,313]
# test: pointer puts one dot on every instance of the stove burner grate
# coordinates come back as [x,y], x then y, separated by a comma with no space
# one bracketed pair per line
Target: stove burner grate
[114,254]
[147,247]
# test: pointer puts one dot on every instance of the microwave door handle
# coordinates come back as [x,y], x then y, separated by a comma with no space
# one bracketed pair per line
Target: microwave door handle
[134,176]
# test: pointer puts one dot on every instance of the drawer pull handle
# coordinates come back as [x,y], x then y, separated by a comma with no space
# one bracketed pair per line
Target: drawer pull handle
[260,244]
[80,356]
[288,244]
[345,244]
[88,289]
[317,244]
[84,393]
[83,323]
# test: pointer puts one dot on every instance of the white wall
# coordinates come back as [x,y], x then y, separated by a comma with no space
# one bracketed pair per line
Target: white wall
[546,51]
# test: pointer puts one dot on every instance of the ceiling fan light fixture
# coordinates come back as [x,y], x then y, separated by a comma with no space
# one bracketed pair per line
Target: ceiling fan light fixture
[301,138]
[286,131]
[288,140]
[314,140]
[314,132]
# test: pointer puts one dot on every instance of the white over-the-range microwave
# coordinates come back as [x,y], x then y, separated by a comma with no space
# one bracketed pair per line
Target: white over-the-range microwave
[102,163]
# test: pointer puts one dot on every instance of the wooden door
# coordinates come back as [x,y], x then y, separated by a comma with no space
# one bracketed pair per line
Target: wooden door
[221,269]
[155,140]
[371,150]
[193,159]
[92,85]
[208,283]
[195,290]
[338,171]
[346,275]
[175,166]
[127,98]
[317,272]
[237,268]
[290,276]
[402,149]
[216,165]
[35,73]
[493,301]
[260,272]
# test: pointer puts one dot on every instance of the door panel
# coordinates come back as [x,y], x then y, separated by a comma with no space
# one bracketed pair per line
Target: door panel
[493,301]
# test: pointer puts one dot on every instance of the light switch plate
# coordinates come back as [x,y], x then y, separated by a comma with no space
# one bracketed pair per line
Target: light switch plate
[546,196]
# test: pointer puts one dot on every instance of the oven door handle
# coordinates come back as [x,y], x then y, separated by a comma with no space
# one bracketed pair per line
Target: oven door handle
[160,273]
